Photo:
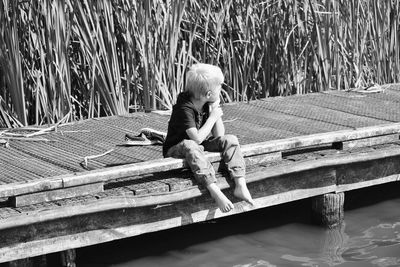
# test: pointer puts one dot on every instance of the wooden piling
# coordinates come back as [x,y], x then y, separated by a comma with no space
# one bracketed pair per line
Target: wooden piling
[68,258]
[327,209]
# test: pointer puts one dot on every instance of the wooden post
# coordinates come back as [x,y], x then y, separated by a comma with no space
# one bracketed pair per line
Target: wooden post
[327,210]
[68,258]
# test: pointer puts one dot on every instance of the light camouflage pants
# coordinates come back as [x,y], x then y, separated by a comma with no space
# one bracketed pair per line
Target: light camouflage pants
[203,171]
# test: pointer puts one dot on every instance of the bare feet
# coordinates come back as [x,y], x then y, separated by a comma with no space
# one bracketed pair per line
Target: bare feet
[241,190]
[223,202]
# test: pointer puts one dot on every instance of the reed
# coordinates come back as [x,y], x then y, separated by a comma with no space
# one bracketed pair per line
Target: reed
[64,60]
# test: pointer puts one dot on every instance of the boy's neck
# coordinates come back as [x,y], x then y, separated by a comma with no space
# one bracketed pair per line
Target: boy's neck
[198,103]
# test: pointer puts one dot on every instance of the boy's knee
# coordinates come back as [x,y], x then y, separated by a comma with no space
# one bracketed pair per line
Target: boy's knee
[190,144]
[230,139]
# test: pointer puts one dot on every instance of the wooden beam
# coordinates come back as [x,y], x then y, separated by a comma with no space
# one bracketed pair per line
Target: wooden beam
[366,142]
[367,171]
[363,184]
[13,189]
[52,195]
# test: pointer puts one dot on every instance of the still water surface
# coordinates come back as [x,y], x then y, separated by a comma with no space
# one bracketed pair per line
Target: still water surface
[278,236]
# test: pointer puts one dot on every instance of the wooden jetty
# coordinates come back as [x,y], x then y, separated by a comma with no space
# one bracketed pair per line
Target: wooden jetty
[55,196]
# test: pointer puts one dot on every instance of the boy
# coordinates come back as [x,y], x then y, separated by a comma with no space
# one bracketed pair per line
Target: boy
[196,125]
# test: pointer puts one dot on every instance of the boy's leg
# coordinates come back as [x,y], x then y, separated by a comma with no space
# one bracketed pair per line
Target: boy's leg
[202,169]
[232,156]
[229,147]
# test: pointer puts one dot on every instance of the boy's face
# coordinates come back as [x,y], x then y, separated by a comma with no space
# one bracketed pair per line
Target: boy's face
[213,95]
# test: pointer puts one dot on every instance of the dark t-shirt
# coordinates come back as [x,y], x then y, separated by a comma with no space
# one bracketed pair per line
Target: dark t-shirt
[184,116]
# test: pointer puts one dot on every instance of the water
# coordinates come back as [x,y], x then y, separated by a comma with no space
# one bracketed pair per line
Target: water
[278,236]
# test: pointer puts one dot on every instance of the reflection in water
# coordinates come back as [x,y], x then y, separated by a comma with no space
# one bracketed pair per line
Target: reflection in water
[337,247]
[377,245]
[256,263]
[366,246]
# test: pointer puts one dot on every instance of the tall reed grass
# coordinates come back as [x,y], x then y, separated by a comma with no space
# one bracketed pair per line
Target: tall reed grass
[65,60]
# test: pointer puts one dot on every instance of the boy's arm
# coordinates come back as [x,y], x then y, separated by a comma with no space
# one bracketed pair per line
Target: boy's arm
[218,129]
[212,122]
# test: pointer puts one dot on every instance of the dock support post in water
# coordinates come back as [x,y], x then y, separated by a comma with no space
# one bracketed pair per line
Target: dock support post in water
[328,209]
[68,258]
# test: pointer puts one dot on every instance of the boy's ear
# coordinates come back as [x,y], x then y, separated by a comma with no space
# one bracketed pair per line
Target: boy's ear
[208,94]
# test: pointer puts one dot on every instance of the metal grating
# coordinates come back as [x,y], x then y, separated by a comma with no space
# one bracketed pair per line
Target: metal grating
[17,166]
[284,122]
[386,95]
[360,106]
[321,112]
[251,125]
[111,132]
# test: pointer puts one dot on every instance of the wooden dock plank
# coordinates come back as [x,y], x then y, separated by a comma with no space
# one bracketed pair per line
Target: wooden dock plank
[52,195]
[368,141]
[369,170]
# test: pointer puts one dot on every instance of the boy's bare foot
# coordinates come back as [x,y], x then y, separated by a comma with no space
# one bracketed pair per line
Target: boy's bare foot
[223,202]
[241,190]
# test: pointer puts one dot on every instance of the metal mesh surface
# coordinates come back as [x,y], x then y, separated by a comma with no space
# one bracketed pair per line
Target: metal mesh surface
[287,122]
[376,109]
[321,109]
[16,166]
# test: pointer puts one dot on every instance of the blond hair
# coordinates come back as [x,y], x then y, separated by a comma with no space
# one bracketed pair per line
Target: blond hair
[201,78]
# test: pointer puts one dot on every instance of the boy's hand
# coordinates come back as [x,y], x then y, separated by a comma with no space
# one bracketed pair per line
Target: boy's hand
[215,110]
[213,105]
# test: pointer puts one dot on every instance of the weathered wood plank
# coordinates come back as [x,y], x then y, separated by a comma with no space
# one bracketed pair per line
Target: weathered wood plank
[368,170]
[30,187]
[363,184]
[262,158]
[365,142]
[51,195]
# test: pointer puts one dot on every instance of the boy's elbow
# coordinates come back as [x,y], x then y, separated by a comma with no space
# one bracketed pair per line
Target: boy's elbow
[197,140]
